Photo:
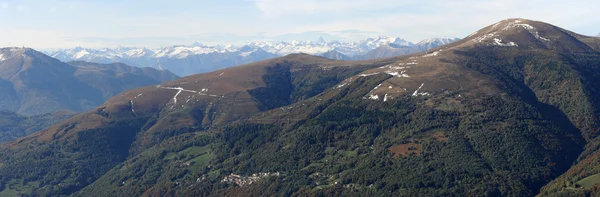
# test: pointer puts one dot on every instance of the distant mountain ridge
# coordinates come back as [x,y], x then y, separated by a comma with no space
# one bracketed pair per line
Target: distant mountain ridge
[335,55]
[435,42]
[32,83]
[393,49]
[198,58]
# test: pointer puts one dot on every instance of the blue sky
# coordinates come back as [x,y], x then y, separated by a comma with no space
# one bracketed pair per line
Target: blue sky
[154,23]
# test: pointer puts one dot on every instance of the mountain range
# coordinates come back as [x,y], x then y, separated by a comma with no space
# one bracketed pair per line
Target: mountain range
[32,83]
[510,110]
[199,58]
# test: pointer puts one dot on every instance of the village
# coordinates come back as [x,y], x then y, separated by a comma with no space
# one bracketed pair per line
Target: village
[245,181]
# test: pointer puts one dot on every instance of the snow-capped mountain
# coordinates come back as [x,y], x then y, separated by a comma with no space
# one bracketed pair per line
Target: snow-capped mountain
[396,48]
[179,59]
[321,46]
[191,59]
[181,51]
[435,42]
[107,54]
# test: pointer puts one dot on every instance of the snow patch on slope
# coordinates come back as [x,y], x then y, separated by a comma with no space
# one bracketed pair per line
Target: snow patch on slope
[484,37]
[371,95]
[374,97]
[417,93]
[341,85]
[498,42]
[435,53]
[528,27]
[366,75]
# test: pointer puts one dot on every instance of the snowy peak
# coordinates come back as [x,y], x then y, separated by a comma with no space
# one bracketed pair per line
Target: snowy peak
[86,54]
[511,26]
[437,41]
[378,41]
[177,51]
[402,42]
[181,51]
[80,53]
[526,33]
[197,57]
[500,30]
[139,52]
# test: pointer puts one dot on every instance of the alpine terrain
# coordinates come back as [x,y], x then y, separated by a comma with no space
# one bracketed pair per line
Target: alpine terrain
[199,58]
[511,110]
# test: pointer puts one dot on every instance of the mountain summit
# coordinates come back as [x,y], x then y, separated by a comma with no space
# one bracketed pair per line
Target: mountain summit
[503,112]
[527,34]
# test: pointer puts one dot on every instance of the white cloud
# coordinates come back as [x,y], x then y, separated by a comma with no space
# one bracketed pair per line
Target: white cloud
[4,5]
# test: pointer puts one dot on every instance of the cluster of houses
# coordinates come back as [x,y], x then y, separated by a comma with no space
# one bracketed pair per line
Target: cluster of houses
[245,181]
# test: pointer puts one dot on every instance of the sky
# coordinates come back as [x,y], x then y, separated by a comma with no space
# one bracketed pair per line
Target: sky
[51,24]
